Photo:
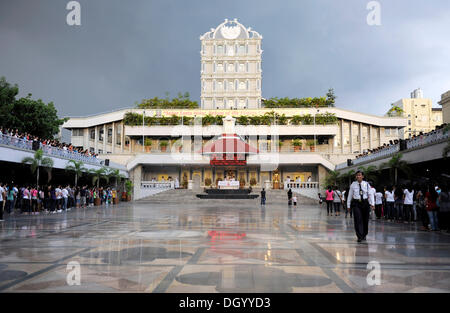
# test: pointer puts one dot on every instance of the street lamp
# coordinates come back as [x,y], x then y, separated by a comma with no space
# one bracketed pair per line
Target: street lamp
[143,131]
[315,148]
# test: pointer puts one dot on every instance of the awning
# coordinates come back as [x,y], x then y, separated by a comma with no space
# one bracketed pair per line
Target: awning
[228,144]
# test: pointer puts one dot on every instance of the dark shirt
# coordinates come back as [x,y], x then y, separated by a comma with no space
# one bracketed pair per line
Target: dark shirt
[263,194]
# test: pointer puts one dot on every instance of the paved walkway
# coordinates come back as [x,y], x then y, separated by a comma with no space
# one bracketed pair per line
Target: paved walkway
[216,246]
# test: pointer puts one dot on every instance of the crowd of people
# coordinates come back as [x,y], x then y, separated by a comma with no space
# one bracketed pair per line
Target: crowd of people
[51,199]
[396,141]
[429,204]
[14,133]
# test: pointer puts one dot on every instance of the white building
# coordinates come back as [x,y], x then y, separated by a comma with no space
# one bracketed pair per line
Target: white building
[231,69]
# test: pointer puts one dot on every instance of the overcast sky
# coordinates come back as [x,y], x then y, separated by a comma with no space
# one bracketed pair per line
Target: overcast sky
[126,51]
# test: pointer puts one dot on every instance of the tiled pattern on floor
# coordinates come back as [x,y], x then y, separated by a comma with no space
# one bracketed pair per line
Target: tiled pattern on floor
[214,246]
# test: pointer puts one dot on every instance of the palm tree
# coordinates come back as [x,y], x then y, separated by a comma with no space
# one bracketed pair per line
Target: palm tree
[331,178]
[116,175]
[395,164]
[370,172]
[349,175]
[76,167]
[97,175]
[37,161]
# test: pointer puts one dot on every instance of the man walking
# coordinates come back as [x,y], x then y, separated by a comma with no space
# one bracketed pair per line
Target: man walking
[360,200]
[263,197]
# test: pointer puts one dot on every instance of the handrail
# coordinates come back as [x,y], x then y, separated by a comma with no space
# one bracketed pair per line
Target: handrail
[47,149]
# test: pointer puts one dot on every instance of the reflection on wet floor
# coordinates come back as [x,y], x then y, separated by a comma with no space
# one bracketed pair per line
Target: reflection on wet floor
[216,246]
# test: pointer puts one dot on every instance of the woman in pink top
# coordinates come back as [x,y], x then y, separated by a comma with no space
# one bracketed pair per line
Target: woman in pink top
[329,200]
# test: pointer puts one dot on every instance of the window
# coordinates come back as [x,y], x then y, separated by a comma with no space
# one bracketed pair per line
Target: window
[110,135]
[387,131]
[219,85]
[241,67]
[219,49]
[241,85]
[92,134]
[220,67]
[77,132]
[100,136]
[91,150]
[118,135]
[241,49]
[230,67]
[100,151]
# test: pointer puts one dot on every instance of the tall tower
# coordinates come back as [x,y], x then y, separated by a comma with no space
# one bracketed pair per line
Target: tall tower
[231,67]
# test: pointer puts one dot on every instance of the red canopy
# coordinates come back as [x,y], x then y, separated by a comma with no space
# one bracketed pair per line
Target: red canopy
[229,144]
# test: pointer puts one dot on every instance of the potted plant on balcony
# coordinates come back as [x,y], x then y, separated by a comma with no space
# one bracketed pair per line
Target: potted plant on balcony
[297,143]
[242,182]
[312,145]
[163,145]
[148,144]
[129,188]
[252,181]
[207,181]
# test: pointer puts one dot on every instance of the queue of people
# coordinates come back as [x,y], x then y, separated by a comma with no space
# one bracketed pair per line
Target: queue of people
[8,133]
[51,199]
[429,204]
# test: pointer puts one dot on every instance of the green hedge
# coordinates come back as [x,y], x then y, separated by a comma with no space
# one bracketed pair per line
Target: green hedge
[269,118]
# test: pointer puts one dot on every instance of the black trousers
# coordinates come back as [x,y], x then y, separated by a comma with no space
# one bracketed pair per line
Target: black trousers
[361,211]
[1,210]
[378,210]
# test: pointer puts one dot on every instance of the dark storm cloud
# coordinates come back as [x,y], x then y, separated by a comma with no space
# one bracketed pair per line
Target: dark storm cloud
[125,51]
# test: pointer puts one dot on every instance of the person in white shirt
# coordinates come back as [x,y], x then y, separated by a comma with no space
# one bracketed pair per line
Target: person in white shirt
[389,210]
[2,193]
[408,200]
[378,204]
[58,199]
[65,197]
[360,200]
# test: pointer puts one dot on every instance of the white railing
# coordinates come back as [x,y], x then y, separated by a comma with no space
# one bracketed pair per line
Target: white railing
[50,150]
[434,136]
[379,154]
[157,185]
[301,185]
[423,140]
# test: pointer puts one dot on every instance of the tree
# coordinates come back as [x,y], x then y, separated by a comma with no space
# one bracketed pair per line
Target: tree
[111,173]
[99,174]
[331,98]
[27,115]
[395,111]
[331,178]
[76,167]
[370,173]
[37,161]
[396,164]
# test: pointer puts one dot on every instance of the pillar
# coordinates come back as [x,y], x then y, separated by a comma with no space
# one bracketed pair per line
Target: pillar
[351,137]
[342,137]
[113,144]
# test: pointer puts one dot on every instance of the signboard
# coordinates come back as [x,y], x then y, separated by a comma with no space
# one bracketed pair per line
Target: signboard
[225,162]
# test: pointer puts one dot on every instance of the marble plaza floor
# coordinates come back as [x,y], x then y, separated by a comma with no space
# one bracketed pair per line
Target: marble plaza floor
[216,246]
